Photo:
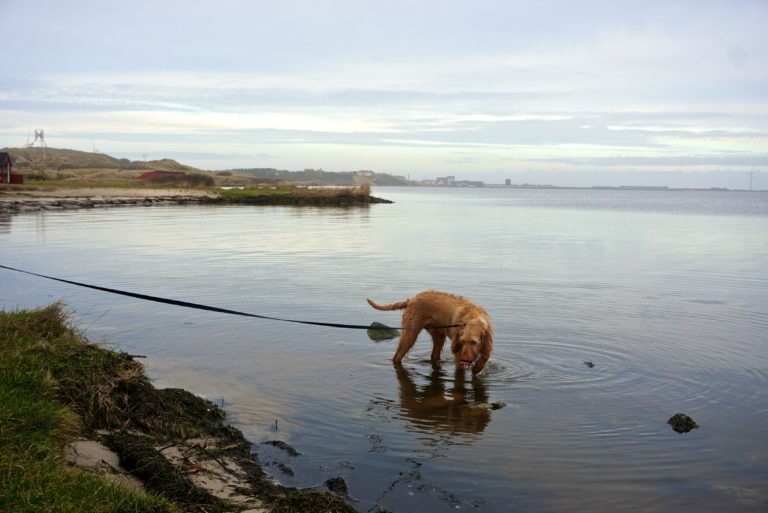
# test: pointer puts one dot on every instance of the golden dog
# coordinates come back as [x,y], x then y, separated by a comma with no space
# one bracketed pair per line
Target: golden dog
[471,337]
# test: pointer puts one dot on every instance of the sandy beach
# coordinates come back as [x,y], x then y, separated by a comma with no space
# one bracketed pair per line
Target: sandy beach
[30,199]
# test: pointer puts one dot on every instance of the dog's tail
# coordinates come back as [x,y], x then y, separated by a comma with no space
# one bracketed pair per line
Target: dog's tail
[394,306]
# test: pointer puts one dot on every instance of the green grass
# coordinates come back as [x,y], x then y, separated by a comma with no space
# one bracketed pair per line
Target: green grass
[96,184]
[285,190]
[43,365]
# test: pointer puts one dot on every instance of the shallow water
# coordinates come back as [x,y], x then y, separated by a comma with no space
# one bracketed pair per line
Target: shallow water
[664,292]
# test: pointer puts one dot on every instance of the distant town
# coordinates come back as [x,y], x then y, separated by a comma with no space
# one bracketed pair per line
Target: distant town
[451,181]
[44,163]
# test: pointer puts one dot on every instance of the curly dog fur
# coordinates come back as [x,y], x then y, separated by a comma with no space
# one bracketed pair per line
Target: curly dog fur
[471,341]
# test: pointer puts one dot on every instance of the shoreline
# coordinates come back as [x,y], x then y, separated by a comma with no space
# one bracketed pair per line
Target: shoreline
[170,444]
[35,199]
[16,200]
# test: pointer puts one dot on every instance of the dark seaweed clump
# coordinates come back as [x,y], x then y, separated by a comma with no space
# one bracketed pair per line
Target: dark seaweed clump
[682,423]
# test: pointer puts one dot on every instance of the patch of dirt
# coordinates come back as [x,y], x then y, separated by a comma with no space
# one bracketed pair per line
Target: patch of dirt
[33,199]
[95,456]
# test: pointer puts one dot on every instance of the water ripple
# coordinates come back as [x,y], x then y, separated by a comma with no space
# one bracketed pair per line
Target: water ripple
[667,310]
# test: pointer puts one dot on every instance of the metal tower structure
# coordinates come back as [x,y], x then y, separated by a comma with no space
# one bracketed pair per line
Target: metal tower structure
[39,137]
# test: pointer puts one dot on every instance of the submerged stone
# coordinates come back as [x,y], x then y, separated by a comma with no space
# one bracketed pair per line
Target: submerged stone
[337,485]
[283,447]
[378,332]
[682,423]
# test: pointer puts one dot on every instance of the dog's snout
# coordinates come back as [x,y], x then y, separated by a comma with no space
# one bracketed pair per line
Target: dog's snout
[468,352]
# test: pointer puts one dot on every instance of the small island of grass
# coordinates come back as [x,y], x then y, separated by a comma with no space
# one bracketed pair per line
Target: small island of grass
[292,195]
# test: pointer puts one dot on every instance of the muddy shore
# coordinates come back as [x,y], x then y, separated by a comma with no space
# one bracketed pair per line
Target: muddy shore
[30,199]
[179,445]
[168,442]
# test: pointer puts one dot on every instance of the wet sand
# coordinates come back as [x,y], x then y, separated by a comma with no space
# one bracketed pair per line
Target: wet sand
[32,199]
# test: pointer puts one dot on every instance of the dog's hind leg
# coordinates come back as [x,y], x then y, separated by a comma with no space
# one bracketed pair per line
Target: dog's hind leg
[408,335]
[438,340]
[409,332]
[407,339]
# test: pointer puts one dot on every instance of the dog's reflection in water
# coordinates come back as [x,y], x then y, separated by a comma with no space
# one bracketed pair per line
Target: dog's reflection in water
[457,406]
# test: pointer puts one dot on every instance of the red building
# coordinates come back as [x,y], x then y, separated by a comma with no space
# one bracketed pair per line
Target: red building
[6,166]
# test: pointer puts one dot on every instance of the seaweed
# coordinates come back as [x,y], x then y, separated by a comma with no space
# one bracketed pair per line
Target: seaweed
[138,456]
[117,403]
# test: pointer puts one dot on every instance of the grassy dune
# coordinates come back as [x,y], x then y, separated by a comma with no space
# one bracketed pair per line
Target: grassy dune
[55,387]
[42,362]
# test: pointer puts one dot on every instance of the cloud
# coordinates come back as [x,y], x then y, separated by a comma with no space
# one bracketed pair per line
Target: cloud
[474,86]
[675,162]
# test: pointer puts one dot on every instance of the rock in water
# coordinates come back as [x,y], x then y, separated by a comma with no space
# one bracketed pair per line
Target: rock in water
[337,485]
[290,451]
[378,332]
[682,423]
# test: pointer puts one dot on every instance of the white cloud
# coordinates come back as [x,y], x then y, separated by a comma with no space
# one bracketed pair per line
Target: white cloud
[520,84]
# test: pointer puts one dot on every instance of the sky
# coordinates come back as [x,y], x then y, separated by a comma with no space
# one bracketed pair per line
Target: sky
[560,92]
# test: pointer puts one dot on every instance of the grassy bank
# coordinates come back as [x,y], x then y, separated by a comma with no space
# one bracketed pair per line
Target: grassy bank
[55,387]
[292,195]
[43,365]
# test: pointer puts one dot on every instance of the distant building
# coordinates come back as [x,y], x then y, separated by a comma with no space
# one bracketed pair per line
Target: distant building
[366,173]
[450,181]
[508,182]
[5,167]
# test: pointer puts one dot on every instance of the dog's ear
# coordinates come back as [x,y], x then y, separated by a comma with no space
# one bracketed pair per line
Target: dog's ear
[457,339]
[487,342]
[486,346]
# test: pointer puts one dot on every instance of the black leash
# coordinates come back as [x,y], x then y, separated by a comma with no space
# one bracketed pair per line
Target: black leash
[187,304]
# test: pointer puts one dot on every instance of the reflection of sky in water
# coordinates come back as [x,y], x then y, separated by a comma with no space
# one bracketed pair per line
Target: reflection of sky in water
[665,297]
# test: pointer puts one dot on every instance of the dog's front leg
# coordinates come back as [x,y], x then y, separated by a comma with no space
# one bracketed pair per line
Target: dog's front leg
[438,340]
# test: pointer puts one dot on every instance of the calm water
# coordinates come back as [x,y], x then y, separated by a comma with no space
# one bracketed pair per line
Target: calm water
[665,292]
